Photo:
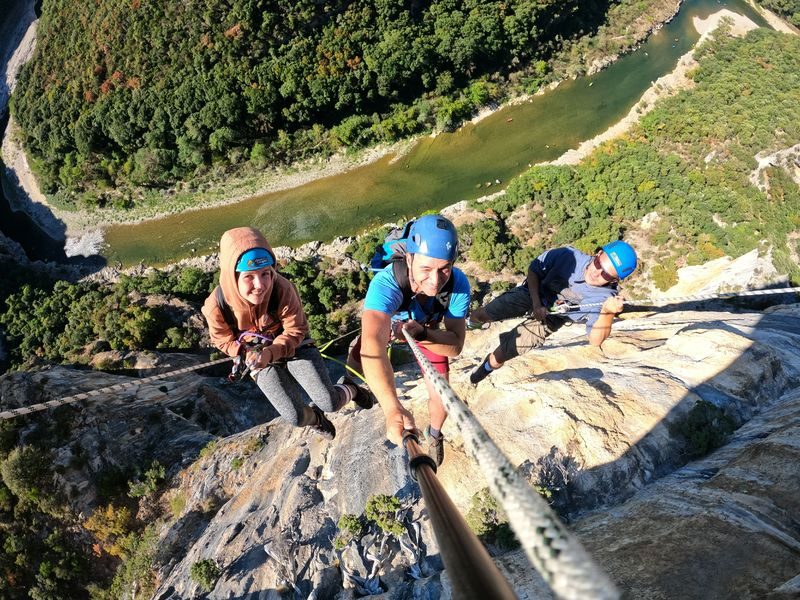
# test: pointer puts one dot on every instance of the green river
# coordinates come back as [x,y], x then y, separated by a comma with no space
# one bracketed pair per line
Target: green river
[437,171]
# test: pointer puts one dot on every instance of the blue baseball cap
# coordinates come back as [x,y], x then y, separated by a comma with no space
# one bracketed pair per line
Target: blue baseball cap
[254,259]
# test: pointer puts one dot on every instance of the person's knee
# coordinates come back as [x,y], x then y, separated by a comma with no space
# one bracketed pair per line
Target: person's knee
[480,315]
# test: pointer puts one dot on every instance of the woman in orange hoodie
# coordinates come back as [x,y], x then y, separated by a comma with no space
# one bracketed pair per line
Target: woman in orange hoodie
[253,297]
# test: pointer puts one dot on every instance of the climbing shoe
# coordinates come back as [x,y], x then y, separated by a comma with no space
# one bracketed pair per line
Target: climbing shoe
[363,398]
[480,373]
[322,425]
[435,446]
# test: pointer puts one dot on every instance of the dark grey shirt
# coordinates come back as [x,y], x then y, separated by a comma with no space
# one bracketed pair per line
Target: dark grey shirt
[561,272]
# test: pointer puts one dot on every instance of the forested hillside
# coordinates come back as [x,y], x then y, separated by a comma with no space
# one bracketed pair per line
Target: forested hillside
[145,93]
[692,160]
[788,9]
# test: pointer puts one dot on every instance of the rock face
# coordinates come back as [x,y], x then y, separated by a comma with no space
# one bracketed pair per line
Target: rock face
[616,414]
[263,503]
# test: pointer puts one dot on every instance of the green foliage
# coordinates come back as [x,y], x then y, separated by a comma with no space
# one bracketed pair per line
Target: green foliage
[137,567]
[8,436]
[149,485]
[26,472]
[490,244]
[363,247]
[209,449]
[252,445]
[151,93]
[665,275]
[57,323]
[690,158]
[488,521]
[788,9]
[705,428]
[323,295]
[205,574]
[177,503]
[236,463]
[350,527]
[59,568]
[382,509]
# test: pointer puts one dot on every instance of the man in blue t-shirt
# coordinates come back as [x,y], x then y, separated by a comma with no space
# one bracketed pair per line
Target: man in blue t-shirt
[417,292]
[561,275]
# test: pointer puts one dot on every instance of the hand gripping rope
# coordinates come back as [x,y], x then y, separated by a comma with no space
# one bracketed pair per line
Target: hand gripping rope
[565,308]
[560,559]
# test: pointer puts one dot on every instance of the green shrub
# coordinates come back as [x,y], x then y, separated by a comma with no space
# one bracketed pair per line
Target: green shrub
[488,520]
[705,428]
[350,528]
[664,276]
[177,503]
[205,574]
[209,449]
[136,570]
[382,509]
[26,472]
[149,485]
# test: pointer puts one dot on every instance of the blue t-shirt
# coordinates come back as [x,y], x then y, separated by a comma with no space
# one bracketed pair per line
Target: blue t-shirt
[560,273]
[385,295]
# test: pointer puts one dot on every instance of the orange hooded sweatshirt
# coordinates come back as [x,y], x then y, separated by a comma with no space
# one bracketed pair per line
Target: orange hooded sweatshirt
[291,318]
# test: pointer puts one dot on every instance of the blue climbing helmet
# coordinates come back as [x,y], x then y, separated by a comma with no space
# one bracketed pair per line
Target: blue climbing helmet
[434,236]
[622,256]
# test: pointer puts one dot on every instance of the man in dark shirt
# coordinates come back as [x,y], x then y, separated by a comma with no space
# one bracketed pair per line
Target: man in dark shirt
[561,275]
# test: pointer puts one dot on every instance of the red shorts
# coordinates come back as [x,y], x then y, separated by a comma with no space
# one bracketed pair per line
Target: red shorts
[439,362]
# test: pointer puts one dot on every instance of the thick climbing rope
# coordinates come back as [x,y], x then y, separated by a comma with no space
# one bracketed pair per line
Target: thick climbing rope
[25,410]
[558,556]
[565,308]
[16,412]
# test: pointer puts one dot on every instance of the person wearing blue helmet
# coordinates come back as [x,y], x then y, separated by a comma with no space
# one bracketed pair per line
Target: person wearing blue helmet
[558,276]
[422,292]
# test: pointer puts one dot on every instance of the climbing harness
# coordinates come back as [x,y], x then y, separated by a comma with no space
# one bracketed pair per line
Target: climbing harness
[560,559]
[658,302]
[473,572]
[16,412]
[252,342]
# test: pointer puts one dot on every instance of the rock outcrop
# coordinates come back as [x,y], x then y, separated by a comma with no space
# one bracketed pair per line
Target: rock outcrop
[616,415]
[263,501]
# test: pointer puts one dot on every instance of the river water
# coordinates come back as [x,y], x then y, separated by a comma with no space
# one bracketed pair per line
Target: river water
[438,171]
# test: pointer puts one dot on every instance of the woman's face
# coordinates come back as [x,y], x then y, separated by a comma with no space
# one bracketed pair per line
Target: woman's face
[253,285]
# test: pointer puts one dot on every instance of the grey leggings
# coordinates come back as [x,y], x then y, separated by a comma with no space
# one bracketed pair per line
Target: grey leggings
[282,382]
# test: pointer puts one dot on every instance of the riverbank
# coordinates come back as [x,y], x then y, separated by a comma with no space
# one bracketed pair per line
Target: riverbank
[186,200]
[82,228]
